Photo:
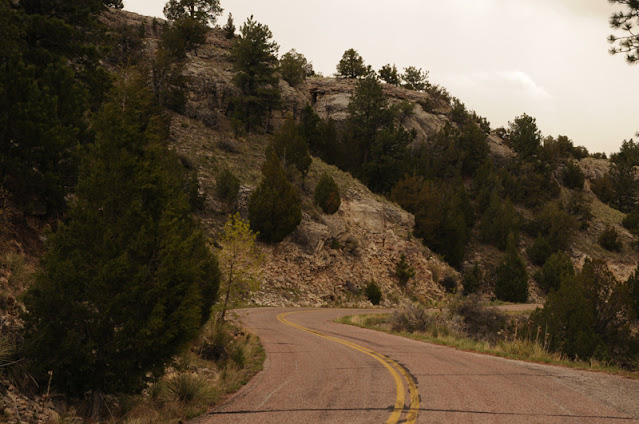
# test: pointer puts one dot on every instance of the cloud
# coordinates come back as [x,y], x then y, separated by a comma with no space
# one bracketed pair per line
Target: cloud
[513,81]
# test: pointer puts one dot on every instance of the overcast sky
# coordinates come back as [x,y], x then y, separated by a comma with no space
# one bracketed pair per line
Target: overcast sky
[502,58]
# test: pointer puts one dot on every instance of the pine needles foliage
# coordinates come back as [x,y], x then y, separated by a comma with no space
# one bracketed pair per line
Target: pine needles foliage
[129,279]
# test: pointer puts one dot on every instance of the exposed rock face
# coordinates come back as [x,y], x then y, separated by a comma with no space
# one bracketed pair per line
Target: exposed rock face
[330,260]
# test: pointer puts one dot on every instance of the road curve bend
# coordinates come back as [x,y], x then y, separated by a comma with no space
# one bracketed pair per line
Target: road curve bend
[318,371]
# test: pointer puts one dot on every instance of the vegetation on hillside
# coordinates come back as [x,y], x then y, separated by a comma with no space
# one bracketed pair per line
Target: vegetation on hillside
[128,280]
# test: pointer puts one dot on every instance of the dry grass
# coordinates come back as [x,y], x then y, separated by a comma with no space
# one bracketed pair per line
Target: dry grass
[194,384]
[525,350]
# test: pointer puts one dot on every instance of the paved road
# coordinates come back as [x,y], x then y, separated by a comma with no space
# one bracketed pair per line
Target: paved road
[318,371]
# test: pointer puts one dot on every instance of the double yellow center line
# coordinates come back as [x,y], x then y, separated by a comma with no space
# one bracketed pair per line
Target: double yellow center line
[396,370]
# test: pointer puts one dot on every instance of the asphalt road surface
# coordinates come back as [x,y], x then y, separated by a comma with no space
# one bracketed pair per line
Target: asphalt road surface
[318,371]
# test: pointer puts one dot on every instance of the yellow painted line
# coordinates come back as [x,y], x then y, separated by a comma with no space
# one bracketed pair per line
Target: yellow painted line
[390,365]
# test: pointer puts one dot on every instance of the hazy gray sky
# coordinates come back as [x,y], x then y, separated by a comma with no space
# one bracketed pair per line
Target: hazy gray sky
[502,58]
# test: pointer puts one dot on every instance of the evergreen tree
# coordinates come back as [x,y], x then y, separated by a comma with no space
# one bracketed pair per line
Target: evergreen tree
[609,239]
[539,251]
[557,268]
[633,288]
[290,145]
[511,282]
[351,65]
[472,280]
[568,318]
[294,68]
[500,220]
[626,20]
[254,56]
[229,28]
[473,148]
[368,114]
[524,135]
[572,176]
[624,184]
[227,187]
[203,11]
[389,74]
[274,207]
[327,194]
[47,69]
[415,79]
[131,267]
[184,35]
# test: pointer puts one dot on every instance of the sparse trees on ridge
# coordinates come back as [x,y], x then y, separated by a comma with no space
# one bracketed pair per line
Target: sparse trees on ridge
[415,79]
[294,68]
[204,11]
[351,65]
[389,74]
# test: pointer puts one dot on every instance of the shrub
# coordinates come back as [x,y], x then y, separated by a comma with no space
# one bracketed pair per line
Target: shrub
[472,280]
[609,239]
[511,276]
[188,388]
[449,284]
[572,176]
[631,221]
[480,323]
[539,251]
[556,268]
[373,292]
[403,271]
[499,220]
[327,194]
[589,316]
[411,318]
[227,187]
[578,206]
[633,287]
[603,188]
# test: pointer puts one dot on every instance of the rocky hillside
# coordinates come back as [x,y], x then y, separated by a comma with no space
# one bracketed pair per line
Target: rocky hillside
[328,259]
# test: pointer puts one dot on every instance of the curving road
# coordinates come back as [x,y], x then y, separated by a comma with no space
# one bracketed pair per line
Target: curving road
[318,371]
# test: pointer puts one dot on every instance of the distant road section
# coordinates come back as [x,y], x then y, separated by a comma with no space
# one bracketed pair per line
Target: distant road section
[318,371]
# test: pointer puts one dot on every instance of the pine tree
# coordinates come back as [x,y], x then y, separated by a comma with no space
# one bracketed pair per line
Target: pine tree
[254,57]
[415,79]
[557,268]
[327,194]
[203,11]
[511,282]
[274,207]
[229,28]
[227,187]
[524,135]
[626,20]
[290,145]
[129,278]
[389,74]
[294,68]
[351,65]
